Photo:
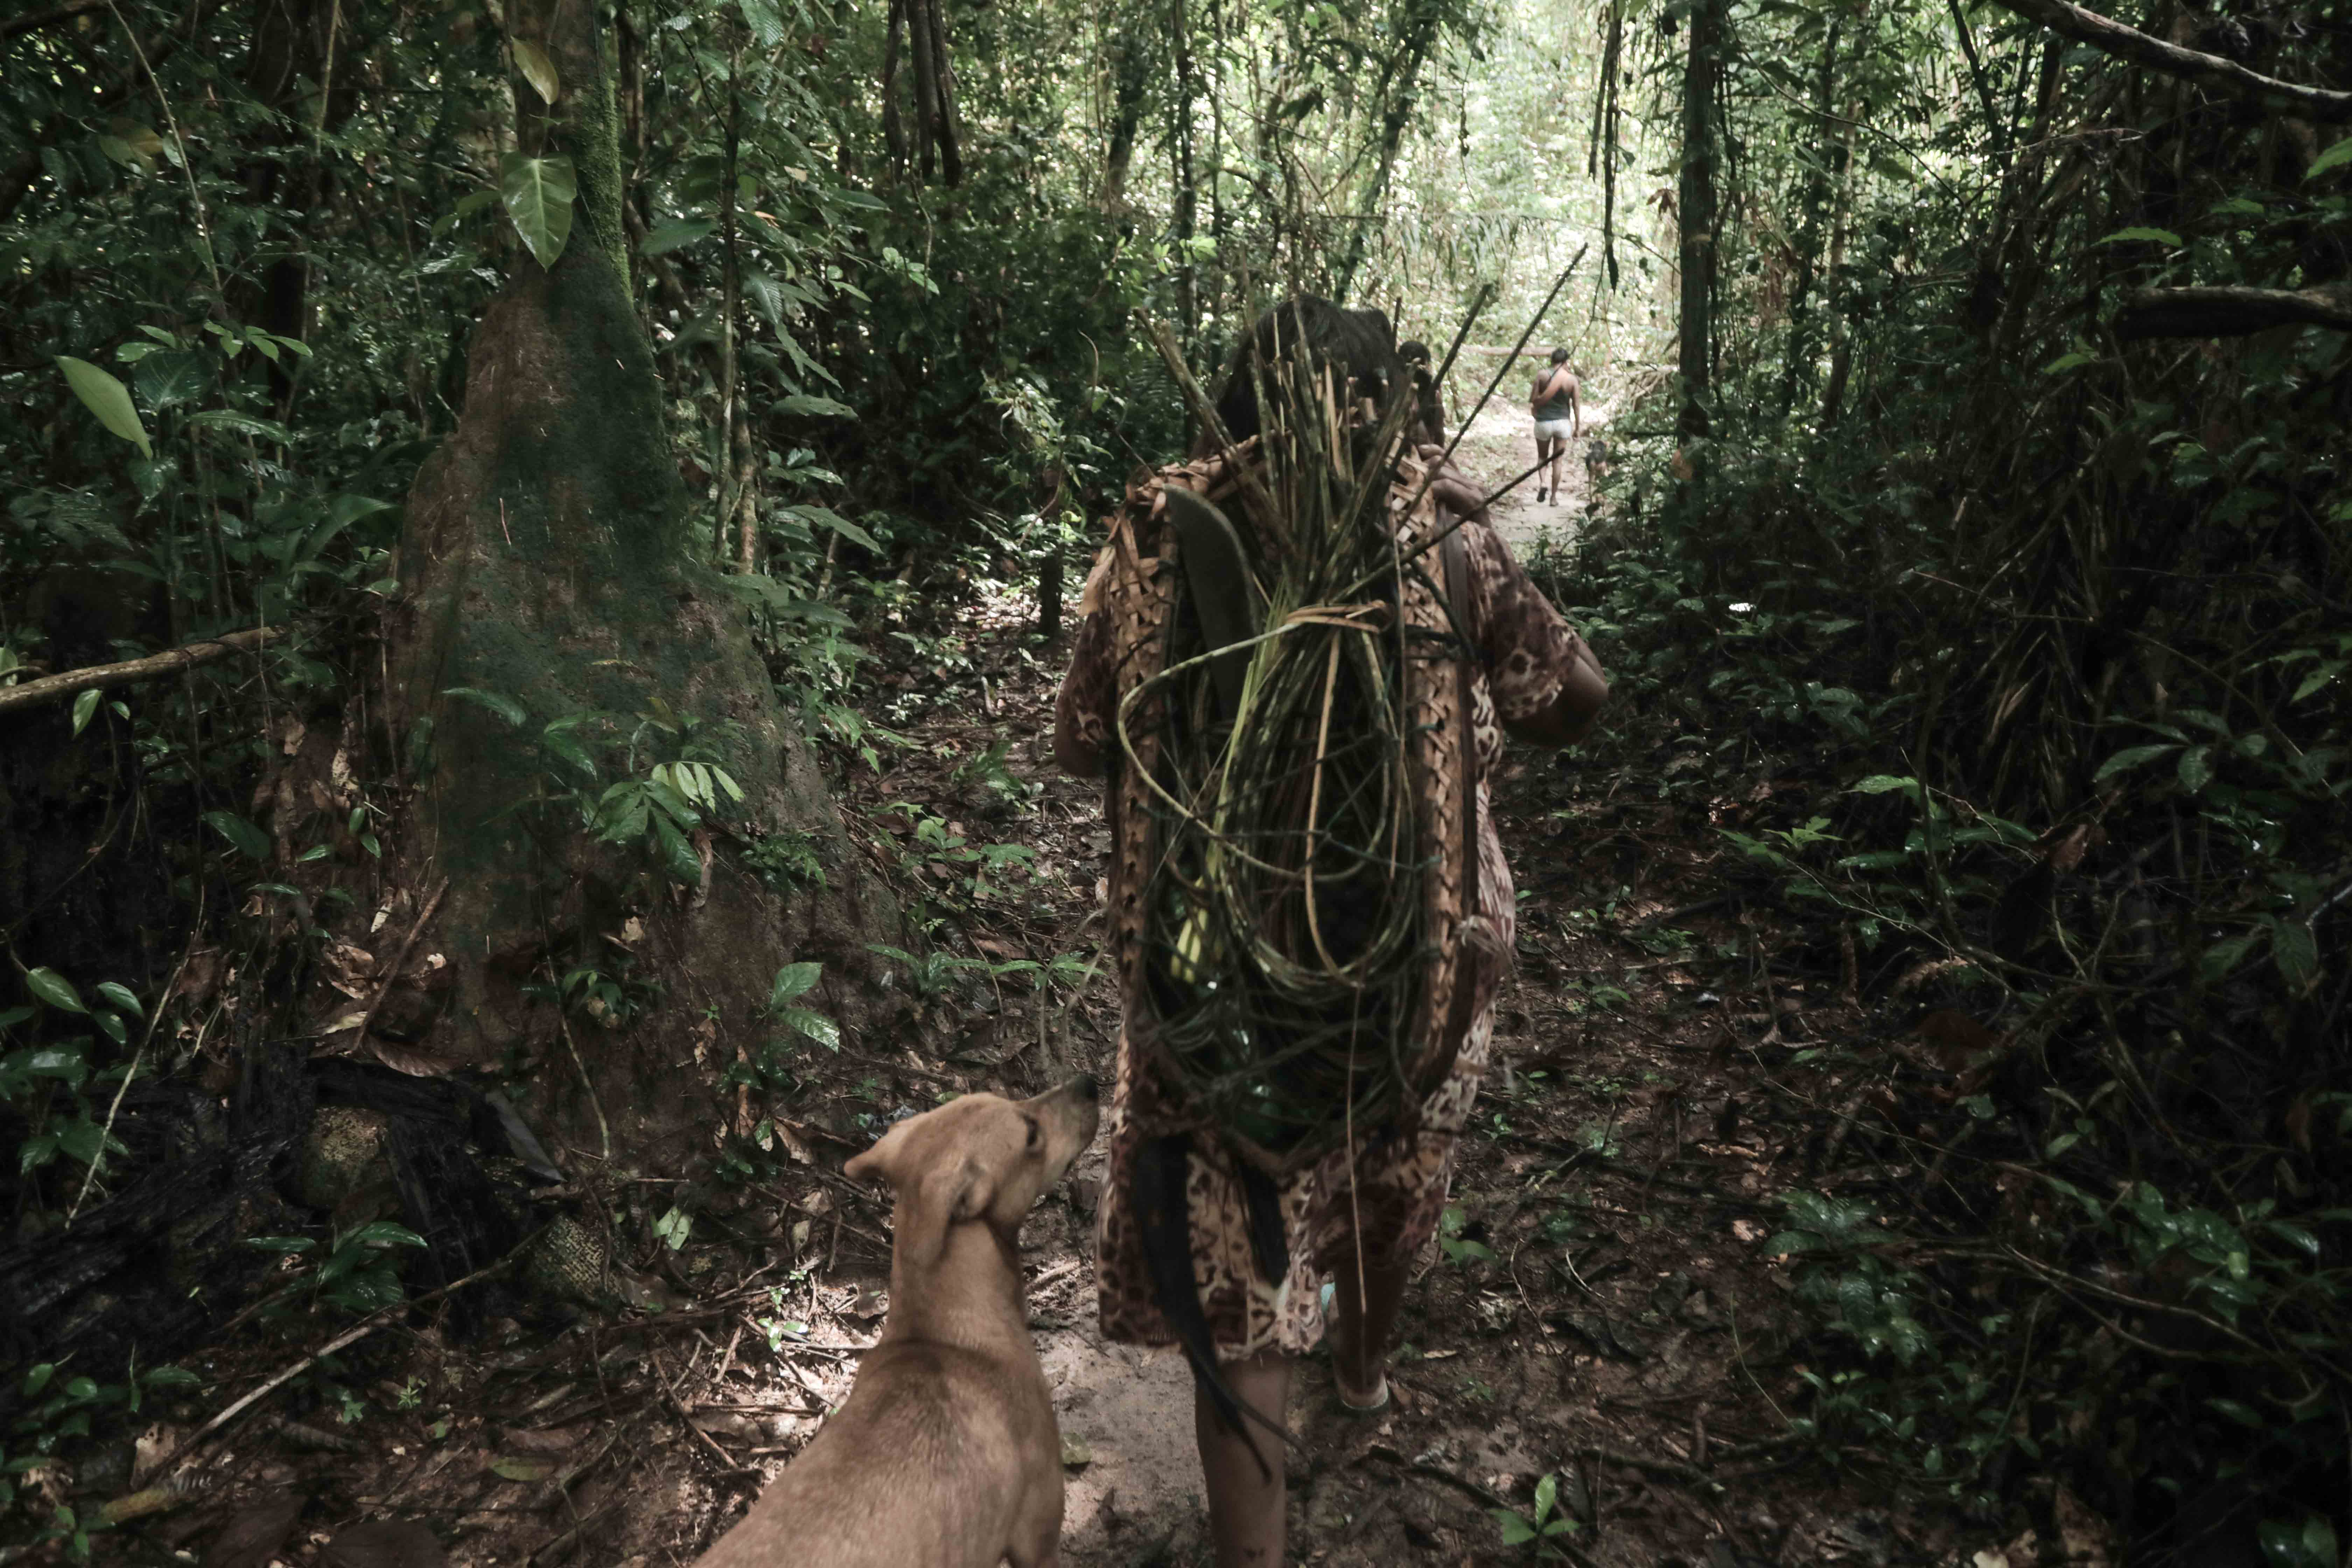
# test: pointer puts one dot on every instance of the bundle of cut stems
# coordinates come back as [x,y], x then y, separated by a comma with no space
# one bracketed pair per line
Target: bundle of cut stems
[1286,940]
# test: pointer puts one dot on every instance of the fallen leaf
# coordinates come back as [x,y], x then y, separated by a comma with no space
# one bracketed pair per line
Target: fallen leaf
[1076,1452]
[2298,1123]
[1956,1038]
[412,1061]
[520,1469]
[545,1440]
[2063,848]
[2089,1541]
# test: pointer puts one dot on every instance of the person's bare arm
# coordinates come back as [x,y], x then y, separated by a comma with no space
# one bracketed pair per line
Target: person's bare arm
[1569,717]
[1575,409]
[1547,685]
[1082,709]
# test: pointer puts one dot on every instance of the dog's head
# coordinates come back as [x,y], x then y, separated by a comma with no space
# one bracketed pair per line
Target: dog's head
[979,1157]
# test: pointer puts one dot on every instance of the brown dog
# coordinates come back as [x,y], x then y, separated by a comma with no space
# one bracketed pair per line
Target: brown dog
[947,1455]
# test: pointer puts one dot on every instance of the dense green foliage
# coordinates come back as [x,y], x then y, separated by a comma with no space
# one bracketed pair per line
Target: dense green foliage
[2038,632]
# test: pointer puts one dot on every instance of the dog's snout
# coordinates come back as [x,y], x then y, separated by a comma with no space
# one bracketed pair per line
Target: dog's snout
[1084,1087]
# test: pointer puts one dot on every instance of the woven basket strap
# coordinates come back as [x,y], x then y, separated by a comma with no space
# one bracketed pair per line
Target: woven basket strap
[1465,998]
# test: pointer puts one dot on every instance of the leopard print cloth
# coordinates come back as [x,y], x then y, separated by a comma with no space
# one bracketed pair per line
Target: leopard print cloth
[1381,1193]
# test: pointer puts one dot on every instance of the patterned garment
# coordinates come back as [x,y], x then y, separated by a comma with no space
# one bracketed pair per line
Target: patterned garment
[1387,1197]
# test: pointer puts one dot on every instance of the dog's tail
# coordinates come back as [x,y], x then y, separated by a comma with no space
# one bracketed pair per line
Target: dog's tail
[1163,1216]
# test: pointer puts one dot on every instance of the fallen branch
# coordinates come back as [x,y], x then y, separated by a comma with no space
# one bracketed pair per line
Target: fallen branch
[344,1341]
[728,1463]
[391,971]
[2129,43]
[2230,312]
[91,677]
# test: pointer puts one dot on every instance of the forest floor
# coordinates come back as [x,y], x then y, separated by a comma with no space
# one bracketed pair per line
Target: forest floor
[1601,1304]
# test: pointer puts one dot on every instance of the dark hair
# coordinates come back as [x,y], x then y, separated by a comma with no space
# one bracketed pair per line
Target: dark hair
[1560,356]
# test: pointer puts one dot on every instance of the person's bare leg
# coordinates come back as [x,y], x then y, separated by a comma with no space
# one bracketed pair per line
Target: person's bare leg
[1246,1505]
[1363,1323]
[1560,450]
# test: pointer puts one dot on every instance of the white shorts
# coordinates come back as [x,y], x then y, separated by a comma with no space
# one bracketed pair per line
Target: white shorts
[1555,429]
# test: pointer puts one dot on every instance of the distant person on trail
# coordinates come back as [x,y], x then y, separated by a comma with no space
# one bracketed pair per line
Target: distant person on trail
[1560,419]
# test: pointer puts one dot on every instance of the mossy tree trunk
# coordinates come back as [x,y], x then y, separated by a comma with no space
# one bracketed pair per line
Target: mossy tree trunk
[552,568]
[1695,211]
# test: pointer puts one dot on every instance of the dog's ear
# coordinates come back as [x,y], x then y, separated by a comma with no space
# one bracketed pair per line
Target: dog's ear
[957,1190]
[878,1161]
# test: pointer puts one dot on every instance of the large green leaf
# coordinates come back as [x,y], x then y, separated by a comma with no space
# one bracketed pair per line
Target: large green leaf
[109,399]
[538,70]
[498,702]
[239,832]
[2335,157]
[55,989]
[810,406]
[267,430]
[825,517]
[676,232]
[815,1026]
[537,193]
[766,20]
[792,979]
[123,996]
[2129,757]
[168,377]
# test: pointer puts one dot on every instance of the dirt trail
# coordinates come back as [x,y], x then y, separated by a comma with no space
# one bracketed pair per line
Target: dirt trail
[1601,1308]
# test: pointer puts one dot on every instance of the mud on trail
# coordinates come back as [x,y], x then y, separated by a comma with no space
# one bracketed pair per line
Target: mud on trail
[1599,1308]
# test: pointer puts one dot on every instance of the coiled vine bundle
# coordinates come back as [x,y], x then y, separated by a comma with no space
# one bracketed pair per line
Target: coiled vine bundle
[1286,932]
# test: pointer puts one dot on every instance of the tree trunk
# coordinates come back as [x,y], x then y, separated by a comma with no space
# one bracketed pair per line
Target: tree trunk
[943,80]
[894,138]
[724,458]
[927,85]
[1187,202]
[1830,152]
[1696,211]
[1605,135]
[1419,37]
[292,71]
[550,562]
[1131,65]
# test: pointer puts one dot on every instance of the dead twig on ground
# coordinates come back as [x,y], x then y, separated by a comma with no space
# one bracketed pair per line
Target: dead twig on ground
[728,1465]
[399,958]
[344,1341]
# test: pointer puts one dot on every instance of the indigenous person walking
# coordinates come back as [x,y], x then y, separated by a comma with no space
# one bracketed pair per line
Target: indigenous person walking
[1560,419]
[1237,1276]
